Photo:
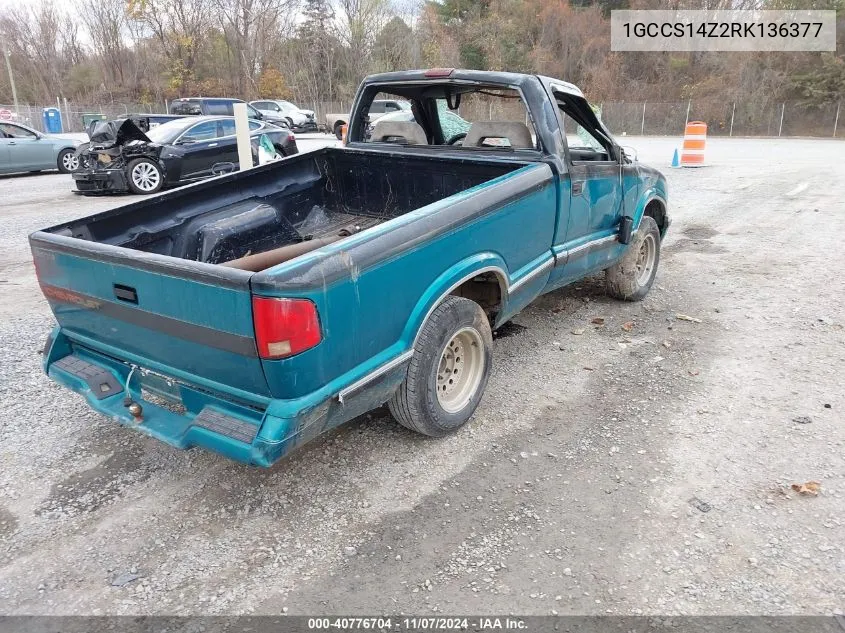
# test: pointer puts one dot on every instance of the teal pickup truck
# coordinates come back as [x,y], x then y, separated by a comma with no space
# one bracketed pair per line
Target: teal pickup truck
[249,313]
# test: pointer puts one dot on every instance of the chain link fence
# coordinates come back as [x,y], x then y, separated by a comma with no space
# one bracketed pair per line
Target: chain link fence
[724,119]
[623,118]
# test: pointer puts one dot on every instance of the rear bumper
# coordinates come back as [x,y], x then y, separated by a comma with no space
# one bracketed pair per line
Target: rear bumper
[100,181]
[185,415]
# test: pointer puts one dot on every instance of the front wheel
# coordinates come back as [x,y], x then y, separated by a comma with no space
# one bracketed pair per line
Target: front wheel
[144,176]
[448,372]
[68,161]
[631,277]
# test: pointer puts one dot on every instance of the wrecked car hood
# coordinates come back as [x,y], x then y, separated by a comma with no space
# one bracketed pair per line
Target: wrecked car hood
[116,132]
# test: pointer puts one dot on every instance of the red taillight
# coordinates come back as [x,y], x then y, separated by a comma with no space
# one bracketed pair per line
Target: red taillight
[284,327]
[292,136]
[435,73]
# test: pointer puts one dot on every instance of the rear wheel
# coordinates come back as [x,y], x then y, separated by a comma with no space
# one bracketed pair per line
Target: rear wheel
[67,161]
[631,277]
[144,176]
[448,372]
[338,130]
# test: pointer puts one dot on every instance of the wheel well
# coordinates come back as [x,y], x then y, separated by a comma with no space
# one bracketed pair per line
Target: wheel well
[656,210]
[486,290]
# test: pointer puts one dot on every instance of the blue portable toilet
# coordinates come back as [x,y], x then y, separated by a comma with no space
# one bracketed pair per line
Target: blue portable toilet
[52,119]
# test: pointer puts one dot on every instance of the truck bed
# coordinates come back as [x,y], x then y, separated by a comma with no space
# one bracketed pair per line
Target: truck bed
[310,196]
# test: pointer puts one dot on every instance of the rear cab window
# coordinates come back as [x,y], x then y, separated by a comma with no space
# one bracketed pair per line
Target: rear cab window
[472,117]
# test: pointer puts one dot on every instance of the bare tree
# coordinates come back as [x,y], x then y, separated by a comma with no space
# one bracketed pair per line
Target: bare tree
[106,23]
[181,28]
[250,28]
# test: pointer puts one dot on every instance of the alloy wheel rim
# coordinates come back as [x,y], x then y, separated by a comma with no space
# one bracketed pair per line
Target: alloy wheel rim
[460,370]
[70,162]
[145,176]
[645,259]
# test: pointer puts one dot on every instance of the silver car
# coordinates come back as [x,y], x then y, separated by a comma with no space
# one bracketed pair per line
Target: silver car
[25,149]
[297,118]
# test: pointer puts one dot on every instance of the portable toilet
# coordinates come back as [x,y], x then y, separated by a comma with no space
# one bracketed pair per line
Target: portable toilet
[52,119]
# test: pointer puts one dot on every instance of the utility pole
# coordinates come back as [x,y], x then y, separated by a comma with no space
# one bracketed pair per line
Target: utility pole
[12,81]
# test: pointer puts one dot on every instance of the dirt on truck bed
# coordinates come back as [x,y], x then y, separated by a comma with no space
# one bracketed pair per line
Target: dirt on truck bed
[630,458]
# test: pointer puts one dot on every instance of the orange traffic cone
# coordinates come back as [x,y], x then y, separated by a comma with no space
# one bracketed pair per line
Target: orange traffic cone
[695,138]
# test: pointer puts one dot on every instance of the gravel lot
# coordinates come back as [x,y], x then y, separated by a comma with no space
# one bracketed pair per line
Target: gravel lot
[606,471]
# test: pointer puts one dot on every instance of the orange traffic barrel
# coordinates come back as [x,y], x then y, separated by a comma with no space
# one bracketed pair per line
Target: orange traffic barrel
[695,138]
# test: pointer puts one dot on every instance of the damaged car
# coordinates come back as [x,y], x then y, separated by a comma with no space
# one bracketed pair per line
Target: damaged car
[123,157]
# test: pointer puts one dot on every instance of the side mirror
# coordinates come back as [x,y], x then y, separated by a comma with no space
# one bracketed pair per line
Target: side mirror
[629,152]
[186,141]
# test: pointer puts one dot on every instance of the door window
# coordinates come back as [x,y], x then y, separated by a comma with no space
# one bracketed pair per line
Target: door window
[13,131]
[201,132]
[585,141]
[227,127]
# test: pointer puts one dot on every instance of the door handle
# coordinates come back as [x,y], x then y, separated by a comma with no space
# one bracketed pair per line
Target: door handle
[212,144]
[12,143]
[577,188]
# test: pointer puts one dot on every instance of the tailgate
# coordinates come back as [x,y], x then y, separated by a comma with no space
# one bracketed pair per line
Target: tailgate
[189,316]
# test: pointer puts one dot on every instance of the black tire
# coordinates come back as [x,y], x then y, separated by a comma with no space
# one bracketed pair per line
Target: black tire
[338,130]
[66,160]
[628,278]
[416,404]
[289,122]
[149,167]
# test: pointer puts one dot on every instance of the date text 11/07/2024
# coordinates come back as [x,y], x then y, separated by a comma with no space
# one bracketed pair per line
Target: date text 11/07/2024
[417,624]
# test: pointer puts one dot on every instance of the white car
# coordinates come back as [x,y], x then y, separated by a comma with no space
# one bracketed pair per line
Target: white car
[298,119]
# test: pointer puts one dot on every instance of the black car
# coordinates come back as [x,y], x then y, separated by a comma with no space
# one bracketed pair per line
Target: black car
[121,157]
[222,106]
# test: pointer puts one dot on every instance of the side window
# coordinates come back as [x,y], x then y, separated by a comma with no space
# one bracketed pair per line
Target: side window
[390,106]
[201,132]
[227,127]
[218,108]
[584,140]
[451,123]
[251,112]
[13,131]
[377,107]
[185,107]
